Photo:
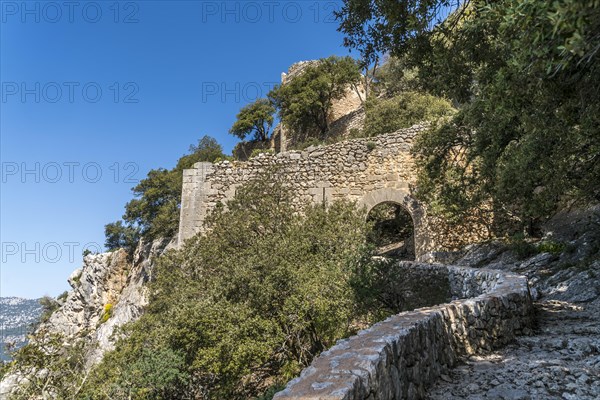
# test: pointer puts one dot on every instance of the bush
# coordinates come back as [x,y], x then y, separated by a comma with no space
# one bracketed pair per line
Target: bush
[385,287]
[551,246]
[49,305]
[59,363]
[223,158]
[251,303]
[304,103]
[403,111]
[119,236]
[63,296]
[521,247]
[254,119]
[257,152]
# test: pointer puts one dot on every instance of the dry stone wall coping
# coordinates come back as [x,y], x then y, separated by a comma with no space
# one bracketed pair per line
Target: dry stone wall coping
[400,357]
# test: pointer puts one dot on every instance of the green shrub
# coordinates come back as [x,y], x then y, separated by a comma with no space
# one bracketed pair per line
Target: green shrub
[270,393]
[119,236]
[551,246]
[250,303]
[521,247]
[63,364]
[63,296]
[49,305]
[385,286]
[371,146]
[307,143]
[223,158]
[305,101]
[256,152]
[403,111]
[355,133]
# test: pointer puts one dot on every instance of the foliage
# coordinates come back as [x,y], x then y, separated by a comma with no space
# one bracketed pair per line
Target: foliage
[394,77]
[151,373]
[270,393]
[524,248]
[389,26]
[256,152]
[223,158]
[519,245]
[526,76]
[551,246]
[305,102]
[255,118]
[120,236]
[385,287]
[4,368]
[207,150]
[49,305]
[63,296]
[155,210]
[403,111]
[248,304]
[52,365]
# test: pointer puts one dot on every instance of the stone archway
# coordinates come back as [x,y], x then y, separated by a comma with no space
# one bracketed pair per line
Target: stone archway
[404,199]
[392,231]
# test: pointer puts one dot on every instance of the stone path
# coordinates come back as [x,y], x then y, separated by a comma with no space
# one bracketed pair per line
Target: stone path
[560,361]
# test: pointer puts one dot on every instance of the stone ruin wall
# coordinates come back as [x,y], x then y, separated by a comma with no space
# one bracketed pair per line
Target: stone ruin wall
[346,113]
[368,171]
[403,355]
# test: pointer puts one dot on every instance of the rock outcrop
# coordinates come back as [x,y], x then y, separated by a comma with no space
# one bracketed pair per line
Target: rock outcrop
[108,291]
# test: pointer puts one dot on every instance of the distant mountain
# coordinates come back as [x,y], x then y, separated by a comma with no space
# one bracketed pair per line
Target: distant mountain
[16,317]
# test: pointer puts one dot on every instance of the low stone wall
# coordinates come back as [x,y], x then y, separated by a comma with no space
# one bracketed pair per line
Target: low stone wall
[400,357]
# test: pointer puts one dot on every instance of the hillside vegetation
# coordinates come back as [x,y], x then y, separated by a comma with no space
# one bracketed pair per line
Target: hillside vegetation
[512,88]
[246,306]
[525,78]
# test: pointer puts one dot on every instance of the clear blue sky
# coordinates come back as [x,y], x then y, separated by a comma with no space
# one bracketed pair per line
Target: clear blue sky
[169,72]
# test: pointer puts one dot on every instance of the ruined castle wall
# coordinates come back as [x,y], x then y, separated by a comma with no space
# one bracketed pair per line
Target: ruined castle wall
[401,356]
[369,171]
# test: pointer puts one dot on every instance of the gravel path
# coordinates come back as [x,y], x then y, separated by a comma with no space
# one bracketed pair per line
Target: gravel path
[561,360]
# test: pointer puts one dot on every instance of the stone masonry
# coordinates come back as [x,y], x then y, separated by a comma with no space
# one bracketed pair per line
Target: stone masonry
[369,171]
[403,355]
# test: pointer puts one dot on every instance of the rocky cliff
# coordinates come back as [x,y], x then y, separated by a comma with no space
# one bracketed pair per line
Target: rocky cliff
[108,291]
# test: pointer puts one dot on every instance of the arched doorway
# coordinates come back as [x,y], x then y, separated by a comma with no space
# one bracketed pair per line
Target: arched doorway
[403,198]
[392,230]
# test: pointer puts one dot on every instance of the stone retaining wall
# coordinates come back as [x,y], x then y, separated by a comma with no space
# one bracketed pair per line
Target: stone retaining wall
[401,356]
